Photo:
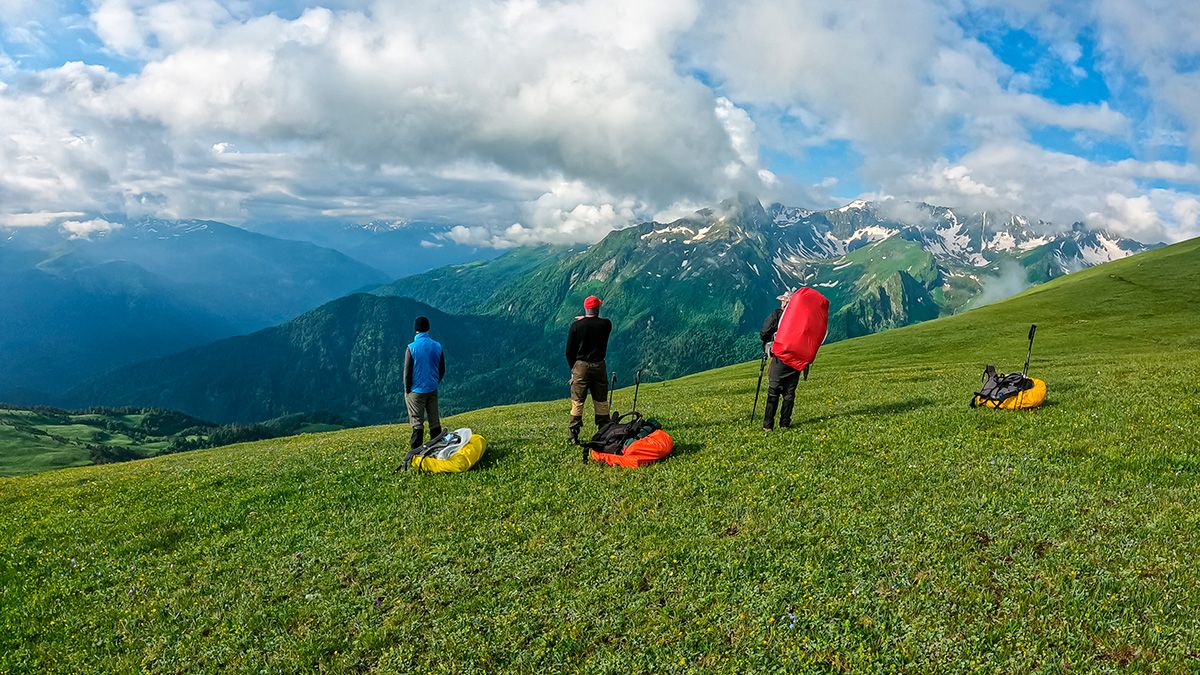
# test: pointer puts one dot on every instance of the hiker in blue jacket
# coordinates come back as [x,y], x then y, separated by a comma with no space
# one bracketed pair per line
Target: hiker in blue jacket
[424,368]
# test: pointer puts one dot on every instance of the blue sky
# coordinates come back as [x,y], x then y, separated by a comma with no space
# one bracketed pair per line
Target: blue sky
[558,121]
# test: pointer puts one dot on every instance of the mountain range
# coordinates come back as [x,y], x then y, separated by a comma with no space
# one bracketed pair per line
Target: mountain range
[684,296]
[398,248]
[346,356]
[75,306]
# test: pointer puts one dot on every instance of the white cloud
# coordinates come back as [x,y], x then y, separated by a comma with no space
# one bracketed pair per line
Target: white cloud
[84,229]
[1064,188]
[1186,211]
[1135,216]
[742,135]
[40,219]
[559,121]
[892,76]
[150,27]
[402,98]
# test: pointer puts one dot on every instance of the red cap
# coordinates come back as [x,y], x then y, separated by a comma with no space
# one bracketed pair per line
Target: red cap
[592,302]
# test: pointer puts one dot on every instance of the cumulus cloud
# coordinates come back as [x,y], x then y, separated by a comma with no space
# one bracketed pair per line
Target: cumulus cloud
[843,71]
[541,95]
[533,121]
[149,27]
[1066,188]
[84,229]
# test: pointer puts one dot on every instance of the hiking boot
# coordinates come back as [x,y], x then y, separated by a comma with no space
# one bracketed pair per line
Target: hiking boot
[575,428]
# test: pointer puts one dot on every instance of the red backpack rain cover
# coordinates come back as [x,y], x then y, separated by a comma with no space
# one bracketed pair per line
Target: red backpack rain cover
[802,329]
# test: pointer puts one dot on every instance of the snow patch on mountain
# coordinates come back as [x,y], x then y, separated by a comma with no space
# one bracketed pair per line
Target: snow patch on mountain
[1105,250]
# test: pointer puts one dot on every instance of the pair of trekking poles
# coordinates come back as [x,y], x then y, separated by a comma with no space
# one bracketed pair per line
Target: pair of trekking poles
[637,384]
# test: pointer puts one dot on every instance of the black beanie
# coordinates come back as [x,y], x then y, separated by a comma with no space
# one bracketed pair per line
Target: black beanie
[422,325]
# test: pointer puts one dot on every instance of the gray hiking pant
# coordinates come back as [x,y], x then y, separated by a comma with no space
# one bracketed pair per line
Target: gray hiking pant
[423,408]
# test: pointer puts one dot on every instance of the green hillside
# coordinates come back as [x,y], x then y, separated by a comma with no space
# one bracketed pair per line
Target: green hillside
[76,307]
[346,356]
[43,438]
[894,529]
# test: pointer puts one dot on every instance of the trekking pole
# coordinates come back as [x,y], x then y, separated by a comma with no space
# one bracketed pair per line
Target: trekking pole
[761,368]
[1032,330]
[637,383]
[612,386]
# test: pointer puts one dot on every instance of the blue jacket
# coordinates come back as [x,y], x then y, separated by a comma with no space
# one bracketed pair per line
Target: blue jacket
[424,365]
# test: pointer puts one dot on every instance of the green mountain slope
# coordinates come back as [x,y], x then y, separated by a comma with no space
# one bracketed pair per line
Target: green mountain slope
[346,356]
[389,246]
[251,279]
[60,326]
[73,307]
[894,529]
[40,439]
[690,295]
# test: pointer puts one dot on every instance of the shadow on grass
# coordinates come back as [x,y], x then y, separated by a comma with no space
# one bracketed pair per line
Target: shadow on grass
[492,455]
[890,408]
[682,449]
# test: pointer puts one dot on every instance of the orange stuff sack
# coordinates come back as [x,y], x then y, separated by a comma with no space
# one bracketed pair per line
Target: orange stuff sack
[640,452]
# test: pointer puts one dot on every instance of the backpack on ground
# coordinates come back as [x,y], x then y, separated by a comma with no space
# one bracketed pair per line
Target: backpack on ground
[629,440]
[452,452]
[1013,391]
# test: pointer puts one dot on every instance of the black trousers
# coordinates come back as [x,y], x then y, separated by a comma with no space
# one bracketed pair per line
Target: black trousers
[781,383]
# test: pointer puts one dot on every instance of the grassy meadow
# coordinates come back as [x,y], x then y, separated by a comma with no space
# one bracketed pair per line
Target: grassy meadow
[42,439]
[892,529]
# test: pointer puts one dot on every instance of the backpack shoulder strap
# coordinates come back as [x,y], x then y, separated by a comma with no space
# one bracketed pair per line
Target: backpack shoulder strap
[989,377]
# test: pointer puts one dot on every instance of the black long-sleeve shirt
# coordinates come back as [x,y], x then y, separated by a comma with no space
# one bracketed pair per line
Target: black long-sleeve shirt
[588,340]
[770,326]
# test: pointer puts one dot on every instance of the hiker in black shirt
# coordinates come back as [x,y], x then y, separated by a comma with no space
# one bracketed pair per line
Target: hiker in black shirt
[770,326]
[587,345]
[782,378]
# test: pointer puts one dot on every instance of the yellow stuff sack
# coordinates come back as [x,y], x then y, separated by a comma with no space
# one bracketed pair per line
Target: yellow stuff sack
[1030,398]
[1014,391]
[453,457]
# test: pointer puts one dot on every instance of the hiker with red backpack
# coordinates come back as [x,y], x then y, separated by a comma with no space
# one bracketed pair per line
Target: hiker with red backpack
[587,347]
[791,335]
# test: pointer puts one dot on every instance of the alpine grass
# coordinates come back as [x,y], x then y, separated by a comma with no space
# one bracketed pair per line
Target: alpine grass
[892,529]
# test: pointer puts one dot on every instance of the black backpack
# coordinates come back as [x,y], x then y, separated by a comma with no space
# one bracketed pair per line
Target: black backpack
[614,437]
[998,387]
